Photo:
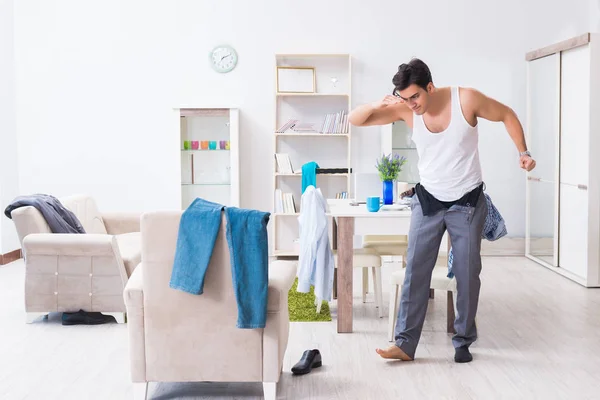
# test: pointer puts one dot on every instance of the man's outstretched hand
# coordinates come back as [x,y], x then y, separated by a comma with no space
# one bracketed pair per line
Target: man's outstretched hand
[527,163]
[387,101]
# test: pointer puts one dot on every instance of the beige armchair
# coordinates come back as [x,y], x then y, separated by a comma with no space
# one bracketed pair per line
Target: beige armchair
[180,337]
[69,272]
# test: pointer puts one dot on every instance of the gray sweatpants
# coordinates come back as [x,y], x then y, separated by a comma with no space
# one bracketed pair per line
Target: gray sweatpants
[465,226]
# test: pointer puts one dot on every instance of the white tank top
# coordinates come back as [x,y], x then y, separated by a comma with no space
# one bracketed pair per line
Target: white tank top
[448,161]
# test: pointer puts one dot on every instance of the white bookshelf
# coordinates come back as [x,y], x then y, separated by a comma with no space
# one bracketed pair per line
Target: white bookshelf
[210,173]
[328,150]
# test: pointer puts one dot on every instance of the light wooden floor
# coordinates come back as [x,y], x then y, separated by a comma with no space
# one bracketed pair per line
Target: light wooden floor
[539,339]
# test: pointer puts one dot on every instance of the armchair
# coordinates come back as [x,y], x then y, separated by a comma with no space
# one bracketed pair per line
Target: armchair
[69,272]
[175,336]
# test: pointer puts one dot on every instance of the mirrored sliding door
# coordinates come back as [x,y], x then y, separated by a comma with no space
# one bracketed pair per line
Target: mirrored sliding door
[543,123]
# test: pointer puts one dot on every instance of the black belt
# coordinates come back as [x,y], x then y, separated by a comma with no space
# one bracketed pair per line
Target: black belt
[431,205]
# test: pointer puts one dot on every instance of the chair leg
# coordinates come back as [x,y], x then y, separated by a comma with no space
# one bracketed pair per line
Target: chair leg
[377,291]
[431,293]
[393,311]
[450,315]
[140,391]
[374,284]
[270,390]
[365,283]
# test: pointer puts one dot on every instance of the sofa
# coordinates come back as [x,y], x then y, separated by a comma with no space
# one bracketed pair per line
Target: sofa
[176,336]
[71,272]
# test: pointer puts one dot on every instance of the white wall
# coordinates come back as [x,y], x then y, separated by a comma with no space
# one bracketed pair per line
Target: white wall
[98,82]
[594,15]
[9,178]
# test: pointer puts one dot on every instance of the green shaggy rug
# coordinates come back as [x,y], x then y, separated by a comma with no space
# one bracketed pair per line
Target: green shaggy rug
[302,306]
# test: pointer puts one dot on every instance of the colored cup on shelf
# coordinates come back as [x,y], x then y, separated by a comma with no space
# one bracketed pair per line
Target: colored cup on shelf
[227,147]
[204,144]
[186,144]
[212,145]
[195,145]
[222,144]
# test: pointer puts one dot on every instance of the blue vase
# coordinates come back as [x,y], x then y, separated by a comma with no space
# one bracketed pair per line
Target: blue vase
[388,192]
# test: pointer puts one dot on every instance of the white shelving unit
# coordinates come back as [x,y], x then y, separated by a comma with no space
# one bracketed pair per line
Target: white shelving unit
[209,146]
[332,94]
[396,138]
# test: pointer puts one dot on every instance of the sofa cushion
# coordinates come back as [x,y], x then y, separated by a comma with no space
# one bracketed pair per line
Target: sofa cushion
[130,246]
[85,209]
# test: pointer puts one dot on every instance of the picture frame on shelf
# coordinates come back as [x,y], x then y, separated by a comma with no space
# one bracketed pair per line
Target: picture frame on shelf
[296,80]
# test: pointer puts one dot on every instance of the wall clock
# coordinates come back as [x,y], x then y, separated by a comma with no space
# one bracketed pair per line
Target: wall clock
[223,58]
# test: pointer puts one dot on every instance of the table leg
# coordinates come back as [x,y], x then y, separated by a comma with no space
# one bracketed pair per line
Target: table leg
[345,245]
[334,247]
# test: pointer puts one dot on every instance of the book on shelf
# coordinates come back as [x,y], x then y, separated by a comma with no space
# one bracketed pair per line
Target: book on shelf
[304,127]
[284,202]
[284,164]
[341,195]
[335,123]
[332,123]
[289,124]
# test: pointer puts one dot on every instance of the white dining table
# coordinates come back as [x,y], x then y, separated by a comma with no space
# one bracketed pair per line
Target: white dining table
[349,221]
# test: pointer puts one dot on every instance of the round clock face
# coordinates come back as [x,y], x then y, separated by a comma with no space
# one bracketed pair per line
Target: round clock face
[223,58]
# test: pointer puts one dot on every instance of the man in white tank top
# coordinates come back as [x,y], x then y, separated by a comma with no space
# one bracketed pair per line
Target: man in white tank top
[449,196]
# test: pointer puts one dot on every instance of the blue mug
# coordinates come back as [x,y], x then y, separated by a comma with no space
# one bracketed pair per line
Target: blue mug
[373,203]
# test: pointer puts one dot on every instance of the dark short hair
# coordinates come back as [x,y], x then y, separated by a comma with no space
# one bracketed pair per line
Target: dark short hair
[415,72]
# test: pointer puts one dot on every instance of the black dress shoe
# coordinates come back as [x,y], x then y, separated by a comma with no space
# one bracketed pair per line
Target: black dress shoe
[310,359]
[86,318]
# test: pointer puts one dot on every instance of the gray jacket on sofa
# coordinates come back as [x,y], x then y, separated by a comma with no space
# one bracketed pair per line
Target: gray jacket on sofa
[60,219]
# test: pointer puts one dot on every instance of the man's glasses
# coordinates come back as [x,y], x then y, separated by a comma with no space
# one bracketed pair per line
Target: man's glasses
[411,99]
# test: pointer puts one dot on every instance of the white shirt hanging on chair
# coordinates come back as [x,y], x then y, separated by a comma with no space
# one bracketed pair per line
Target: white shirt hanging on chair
[316,263]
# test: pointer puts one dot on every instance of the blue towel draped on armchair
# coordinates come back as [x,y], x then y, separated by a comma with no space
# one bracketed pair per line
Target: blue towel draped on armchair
[248,247]
[198,229]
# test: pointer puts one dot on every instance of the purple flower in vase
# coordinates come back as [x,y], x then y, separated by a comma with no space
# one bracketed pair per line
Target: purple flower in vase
[390,166]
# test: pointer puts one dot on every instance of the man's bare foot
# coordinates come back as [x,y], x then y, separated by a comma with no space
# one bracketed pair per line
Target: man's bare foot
[393,352]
